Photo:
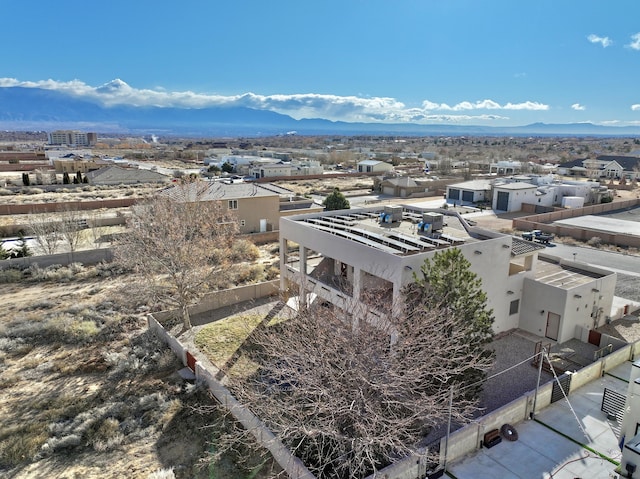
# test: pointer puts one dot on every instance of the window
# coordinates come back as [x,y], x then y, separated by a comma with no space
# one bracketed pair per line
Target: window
[513,306]
[233,204]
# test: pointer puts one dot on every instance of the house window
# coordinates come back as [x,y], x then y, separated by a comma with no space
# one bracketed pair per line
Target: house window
[243,223]
[514,306]
[233,204]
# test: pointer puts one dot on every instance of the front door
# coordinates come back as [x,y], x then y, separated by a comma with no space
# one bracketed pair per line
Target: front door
[502,203]
[553,326]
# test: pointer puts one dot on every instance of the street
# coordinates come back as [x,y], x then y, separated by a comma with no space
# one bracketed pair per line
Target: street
[617,262]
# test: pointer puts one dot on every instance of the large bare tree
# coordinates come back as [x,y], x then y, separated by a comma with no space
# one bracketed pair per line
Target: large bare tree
[350,395]
[179,241]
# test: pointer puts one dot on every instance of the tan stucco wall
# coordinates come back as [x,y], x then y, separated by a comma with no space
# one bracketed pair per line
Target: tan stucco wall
[253,209]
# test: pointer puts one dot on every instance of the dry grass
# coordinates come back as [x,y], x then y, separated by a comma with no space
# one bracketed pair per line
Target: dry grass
[220,340]
[86,389]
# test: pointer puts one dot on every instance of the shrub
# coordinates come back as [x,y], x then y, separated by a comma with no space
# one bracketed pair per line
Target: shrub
[272,272]
[249,274]
[105,435]
[11,275]
[244,250]
[31,191]
[595,242]
[21,448]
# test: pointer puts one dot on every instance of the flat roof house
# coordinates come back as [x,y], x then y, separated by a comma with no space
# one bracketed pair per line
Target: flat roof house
[373,166]
[344,257]
[469,192]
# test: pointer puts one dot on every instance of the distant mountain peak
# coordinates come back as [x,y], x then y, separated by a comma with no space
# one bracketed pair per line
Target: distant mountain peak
[114,86]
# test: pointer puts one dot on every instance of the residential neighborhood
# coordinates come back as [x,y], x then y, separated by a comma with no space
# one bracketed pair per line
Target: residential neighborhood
[557,314]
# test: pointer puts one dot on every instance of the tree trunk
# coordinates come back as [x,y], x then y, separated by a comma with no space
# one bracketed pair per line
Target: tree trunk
[186,318]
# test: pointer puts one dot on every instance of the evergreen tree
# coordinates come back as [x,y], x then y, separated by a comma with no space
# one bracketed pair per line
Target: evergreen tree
[446,281]
[78,178]
[227,167]
[65,178]
[25,179]
[336,201]
[22,249]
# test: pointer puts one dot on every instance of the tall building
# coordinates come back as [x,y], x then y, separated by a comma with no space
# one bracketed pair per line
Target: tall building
[72,138]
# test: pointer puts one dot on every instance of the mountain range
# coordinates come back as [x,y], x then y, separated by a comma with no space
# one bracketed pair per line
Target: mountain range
[42,109]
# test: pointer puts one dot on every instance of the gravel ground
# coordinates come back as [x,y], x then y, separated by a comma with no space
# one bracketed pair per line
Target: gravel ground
[512,383]
[628,287]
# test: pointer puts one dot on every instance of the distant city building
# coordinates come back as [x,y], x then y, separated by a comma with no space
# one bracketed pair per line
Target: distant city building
[72,138]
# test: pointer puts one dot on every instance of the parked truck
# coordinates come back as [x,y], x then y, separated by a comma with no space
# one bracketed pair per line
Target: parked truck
[538,235]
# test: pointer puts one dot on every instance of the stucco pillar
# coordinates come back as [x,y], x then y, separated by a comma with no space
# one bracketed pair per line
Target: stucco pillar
[357,283]
[303,293]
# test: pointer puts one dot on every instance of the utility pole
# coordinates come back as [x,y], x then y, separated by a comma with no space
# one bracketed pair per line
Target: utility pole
[542,353]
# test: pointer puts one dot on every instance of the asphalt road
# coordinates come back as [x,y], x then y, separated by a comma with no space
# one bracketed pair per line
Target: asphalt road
[617,262]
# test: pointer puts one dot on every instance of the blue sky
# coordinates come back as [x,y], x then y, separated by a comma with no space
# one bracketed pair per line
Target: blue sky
[491,62]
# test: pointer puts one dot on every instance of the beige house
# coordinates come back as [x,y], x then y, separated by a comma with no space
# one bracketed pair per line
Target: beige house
[258,207]
[73,165]
[374,166]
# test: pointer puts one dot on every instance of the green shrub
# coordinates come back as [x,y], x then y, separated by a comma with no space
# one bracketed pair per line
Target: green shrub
[11,275]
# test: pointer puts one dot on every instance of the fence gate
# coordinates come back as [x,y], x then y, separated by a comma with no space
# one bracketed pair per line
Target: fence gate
[191,361]
[563,382]
[612,402]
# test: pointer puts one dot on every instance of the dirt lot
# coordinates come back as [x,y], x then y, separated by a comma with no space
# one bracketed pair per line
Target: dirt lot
[86,392]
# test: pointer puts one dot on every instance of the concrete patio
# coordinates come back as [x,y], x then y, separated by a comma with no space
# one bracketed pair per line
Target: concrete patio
[553,445]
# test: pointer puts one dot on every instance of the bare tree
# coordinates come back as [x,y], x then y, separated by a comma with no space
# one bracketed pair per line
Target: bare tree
[348,400]
[179,241]
[45,231]
[71,227]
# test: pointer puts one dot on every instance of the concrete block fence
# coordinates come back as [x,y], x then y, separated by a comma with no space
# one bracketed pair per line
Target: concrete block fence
[291,464]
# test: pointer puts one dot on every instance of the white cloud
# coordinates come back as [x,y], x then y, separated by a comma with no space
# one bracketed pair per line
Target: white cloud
[304,105]
[484,105]
[635,42]
[636,107]
[604,41]
[578,107]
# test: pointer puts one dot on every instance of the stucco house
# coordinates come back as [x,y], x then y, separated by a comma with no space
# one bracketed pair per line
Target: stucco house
[469,192]
[258,207]
[510,196]
[374,166]
[603,166]
[337,256]
[402,187]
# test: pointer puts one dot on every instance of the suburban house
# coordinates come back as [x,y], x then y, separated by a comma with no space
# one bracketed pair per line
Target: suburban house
[603,166]
[258,207]
[71,164]
[367,256]
[505,167]
[402,187]
[509,194]
[116,175]
[374,166]
[469,192]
